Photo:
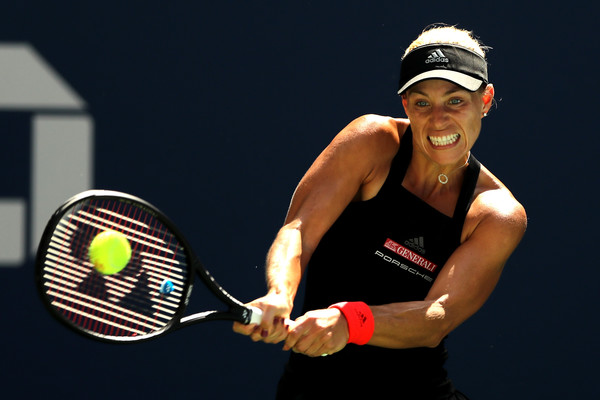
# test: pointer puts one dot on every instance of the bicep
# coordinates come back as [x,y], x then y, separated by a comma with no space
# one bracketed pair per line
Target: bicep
[320,197]
[357,154]
[472,272]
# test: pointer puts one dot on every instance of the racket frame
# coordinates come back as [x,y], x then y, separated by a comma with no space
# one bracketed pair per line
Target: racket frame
[236,311]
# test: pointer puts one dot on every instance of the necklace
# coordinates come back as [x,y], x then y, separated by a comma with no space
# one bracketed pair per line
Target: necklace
[443,178]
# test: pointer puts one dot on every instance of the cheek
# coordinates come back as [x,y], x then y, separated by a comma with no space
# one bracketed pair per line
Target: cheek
[473,131]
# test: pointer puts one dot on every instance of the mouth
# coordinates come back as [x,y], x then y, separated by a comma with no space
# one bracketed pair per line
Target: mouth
[442,141]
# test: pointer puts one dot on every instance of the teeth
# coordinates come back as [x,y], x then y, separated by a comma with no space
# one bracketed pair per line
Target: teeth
[444,140]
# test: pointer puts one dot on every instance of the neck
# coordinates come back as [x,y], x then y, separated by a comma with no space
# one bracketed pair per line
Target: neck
[444,177]
[427,178]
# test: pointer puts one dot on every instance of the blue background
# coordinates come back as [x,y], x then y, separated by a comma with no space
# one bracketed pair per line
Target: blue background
[212,111]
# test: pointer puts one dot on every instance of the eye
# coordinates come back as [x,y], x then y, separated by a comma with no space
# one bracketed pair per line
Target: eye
[421,103]
[455,101]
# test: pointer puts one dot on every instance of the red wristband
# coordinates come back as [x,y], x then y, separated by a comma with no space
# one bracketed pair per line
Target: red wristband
[361,323]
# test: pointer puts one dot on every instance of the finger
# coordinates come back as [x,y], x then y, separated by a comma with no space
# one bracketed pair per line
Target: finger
[294,333]
[311,345]
[243,328]
[278,333]
[270,335]
[258,334]
[306,340]
[271,320]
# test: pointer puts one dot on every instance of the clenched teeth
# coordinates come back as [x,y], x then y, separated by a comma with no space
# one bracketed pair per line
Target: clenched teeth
[443,140]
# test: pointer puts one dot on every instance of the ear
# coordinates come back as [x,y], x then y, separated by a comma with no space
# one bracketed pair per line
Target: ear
[404,103]
[488,96]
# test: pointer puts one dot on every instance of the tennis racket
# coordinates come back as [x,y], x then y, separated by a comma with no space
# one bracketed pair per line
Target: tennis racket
[144,300]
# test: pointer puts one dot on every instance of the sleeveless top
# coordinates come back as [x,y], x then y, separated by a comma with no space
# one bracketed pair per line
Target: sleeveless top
[384,250]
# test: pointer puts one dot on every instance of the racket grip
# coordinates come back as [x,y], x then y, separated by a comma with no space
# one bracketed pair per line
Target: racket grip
[256,316]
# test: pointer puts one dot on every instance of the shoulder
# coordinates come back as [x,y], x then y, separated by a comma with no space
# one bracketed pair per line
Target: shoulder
[360,155]
[495,210]
[373,133]
[373,124]
[375,141]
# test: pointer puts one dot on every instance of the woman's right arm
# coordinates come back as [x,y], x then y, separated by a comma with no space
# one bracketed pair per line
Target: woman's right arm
[352,167]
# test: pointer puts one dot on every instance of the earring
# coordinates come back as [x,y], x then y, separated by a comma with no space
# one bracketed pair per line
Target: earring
[484,114]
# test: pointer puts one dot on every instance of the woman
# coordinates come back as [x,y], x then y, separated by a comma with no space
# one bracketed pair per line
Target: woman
[402,233]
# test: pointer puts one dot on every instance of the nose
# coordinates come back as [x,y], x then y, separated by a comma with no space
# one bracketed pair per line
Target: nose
[439,116]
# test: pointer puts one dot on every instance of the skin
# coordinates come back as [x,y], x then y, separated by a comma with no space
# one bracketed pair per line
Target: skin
[353,168]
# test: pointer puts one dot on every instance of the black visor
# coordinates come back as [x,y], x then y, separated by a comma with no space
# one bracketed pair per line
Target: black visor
[453,63]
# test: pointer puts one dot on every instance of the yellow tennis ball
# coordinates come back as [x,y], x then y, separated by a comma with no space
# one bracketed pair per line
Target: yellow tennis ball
[110,252]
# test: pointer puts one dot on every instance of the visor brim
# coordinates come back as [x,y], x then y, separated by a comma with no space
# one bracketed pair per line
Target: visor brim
[463,80]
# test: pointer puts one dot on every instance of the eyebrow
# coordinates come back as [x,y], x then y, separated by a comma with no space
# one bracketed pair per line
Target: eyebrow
[449,92]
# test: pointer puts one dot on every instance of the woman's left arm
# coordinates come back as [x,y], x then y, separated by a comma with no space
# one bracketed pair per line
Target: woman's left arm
[494,227]
[497,224]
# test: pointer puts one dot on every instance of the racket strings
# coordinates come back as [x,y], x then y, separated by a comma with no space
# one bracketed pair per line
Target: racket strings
[129,303]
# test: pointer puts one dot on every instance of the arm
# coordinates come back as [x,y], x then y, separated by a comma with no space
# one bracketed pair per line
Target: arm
[465,282]
[352,166]
[494,227]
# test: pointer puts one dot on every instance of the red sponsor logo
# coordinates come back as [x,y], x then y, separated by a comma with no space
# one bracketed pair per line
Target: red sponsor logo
[410,255]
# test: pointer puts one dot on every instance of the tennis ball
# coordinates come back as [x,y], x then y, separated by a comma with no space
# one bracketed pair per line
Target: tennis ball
[110,252]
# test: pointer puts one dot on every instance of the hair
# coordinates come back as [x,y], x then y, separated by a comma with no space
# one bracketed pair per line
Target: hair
[448,35]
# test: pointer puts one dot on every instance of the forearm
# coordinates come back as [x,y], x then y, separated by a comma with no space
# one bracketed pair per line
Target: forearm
[397,326]
[284,263]
[410,324]
[283,274]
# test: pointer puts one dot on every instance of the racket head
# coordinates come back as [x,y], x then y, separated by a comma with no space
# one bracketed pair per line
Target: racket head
[145,299]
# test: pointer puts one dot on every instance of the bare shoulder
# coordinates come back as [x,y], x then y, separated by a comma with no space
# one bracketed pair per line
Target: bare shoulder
[380,121]
[495,210]
[378,127]
[367,140]
[363,152]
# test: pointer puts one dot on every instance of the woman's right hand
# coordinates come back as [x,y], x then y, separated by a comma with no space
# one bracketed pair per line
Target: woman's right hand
[275,322]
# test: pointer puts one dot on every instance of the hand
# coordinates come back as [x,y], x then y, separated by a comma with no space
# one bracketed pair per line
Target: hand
[318,333]
[274,325]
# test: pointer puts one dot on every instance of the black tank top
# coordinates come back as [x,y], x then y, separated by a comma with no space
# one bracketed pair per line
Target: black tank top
[384,250]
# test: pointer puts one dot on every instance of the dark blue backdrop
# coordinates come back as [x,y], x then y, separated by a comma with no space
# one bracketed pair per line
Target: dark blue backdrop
[213,110]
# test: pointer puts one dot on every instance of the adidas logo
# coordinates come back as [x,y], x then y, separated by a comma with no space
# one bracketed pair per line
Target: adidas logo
[436,57]
[417,244]
[362,318]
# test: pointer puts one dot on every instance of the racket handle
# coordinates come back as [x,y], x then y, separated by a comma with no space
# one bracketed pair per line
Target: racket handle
[256,316]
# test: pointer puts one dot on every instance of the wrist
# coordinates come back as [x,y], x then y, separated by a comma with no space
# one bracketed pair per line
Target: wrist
[281,297]
[361,323]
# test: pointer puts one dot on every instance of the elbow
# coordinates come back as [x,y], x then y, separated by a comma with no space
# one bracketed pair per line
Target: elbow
[436,338]
[437,334]
[440,324]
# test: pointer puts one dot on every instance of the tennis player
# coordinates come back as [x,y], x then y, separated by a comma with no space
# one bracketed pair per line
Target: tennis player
[402,235]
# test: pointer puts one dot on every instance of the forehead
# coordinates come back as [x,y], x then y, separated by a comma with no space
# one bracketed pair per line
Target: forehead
[433,87]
